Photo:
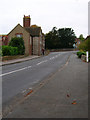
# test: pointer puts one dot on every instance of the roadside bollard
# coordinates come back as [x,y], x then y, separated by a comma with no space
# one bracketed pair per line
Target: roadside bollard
[87,56]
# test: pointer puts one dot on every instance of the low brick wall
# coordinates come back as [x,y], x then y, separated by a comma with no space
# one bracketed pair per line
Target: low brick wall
[5,58]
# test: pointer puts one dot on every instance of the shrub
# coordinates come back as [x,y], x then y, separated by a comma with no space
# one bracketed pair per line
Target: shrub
[80,53]
[85,45]
[0,51]
[8,50]
[19,43]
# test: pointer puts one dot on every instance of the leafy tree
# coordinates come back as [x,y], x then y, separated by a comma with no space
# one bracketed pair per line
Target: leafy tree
[19,43]
[66,37]
[61,38]
[81,37]
[51,39]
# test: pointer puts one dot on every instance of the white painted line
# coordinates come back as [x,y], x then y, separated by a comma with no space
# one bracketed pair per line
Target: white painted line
[56,56]
[29,66]
[42,62]
[45,60]
[39,63]
[52,58]
[15,71]
[30,88]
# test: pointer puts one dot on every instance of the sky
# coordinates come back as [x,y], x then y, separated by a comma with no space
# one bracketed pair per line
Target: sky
[45,13]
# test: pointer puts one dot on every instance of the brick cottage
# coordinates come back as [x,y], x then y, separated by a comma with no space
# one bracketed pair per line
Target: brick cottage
[32,35]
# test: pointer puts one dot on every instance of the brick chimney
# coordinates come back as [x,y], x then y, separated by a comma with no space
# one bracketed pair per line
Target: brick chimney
[26,21]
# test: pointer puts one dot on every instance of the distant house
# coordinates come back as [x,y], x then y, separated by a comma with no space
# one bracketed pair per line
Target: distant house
[32,35]
[3,40]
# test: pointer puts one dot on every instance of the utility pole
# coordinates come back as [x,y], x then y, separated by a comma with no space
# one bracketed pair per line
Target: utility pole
[89,18]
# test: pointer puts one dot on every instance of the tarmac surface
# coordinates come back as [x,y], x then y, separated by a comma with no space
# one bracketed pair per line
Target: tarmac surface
[62,95]
[19,78]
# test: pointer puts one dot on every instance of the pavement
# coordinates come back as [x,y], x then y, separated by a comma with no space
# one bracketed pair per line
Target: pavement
[62,95]
[7,62]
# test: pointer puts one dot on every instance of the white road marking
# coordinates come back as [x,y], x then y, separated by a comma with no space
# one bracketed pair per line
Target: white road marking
[29,66]
[42,62]
[39,63]
[52,58]
[30,88]
[55,56]
[15,71]
[45,60]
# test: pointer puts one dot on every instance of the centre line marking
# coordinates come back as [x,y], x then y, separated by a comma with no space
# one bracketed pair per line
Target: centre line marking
[16,71]
[42,62]
[52,58]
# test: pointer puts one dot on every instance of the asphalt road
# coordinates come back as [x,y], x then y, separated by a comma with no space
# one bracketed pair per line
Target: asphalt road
[62,95]
[16,78]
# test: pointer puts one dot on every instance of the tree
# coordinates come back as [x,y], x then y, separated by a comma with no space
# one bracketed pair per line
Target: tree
[61,38]
[19,43]
[51,39]
[81,37]
[66,37]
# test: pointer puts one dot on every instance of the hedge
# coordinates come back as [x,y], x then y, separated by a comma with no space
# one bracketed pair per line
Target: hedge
[19,43]
[85,45]
[79,54]
[8,50]
[0,51]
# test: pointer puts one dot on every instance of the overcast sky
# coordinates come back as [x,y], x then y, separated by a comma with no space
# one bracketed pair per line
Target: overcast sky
[45,13]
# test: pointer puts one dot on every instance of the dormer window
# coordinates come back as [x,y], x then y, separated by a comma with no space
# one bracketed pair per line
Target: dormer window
[19,35]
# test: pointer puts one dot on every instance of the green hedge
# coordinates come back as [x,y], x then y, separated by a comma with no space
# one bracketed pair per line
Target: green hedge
[79,54]
[8,50]
[85,45]
[0,51]
[19,43]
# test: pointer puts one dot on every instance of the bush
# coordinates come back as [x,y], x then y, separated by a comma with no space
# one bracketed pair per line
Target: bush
[19,43]
[0,51]
[80,53]
[8,50]
[85,45]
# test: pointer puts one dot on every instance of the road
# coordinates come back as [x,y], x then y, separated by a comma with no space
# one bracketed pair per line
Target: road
[56,82]
[62,93]
[17,78]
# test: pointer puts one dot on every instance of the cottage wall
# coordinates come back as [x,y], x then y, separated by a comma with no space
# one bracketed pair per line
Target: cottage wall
[41,42]
[25,34]
[35,45]
[38,44]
